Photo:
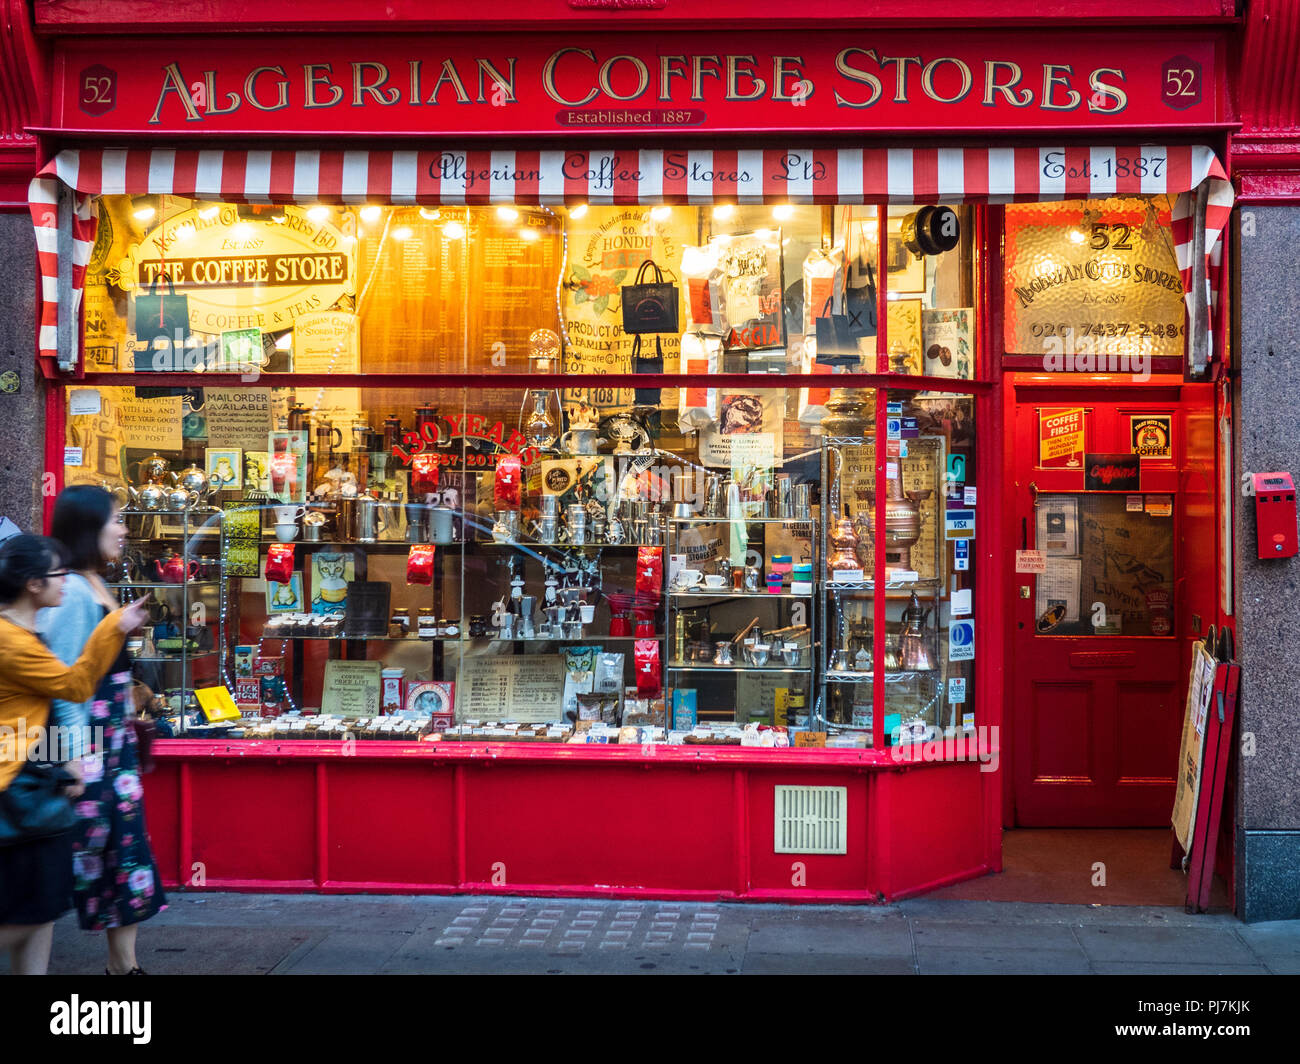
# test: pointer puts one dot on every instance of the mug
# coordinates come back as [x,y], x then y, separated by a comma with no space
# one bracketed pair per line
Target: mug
[581,440]
[687,578]
[286,533]
[285,515]
[715,580]
[588,612]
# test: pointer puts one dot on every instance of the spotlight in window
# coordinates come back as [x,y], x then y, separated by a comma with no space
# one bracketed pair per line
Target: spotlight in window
[507,214]
[279,219]
[453,230]
[370,214]
[208,213]
[184,233]
[783,212]
[578,210]
[242,231]
[430,214]
[724,212]
[318,213]
[402,232]
[528,233]
[660,213]
[143,214]
[1077,235]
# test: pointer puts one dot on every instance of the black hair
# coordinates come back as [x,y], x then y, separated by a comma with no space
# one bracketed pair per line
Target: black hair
[80,514]
[24,558]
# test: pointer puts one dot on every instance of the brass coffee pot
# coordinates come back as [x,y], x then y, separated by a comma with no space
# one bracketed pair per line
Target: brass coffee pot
[843,553]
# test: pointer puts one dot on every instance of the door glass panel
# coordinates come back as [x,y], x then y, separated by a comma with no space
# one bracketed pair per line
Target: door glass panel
[1110,563]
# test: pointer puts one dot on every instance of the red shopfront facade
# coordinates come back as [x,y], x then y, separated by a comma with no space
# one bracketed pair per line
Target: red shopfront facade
[655,110]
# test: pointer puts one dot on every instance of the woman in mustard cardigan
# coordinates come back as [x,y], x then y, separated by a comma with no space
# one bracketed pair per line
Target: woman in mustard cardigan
[36,877]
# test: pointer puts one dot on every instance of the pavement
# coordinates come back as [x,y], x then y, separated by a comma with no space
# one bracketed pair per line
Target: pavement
[311,934]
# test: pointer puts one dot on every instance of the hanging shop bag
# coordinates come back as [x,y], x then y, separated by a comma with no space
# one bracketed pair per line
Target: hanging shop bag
[860,307]
[835,343]
[647,364]
[161,314]
[650,306]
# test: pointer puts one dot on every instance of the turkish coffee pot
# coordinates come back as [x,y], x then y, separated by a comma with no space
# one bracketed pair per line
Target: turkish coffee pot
[843,554]
[902,522]
[913,651]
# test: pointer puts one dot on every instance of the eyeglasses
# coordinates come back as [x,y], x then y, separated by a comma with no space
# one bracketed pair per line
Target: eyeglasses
[57,572]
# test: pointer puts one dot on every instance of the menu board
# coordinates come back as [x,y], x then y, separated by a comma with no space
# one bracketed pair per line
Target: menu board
[237,417]
[352,688]
[411,297]
[527,688]
[514,286]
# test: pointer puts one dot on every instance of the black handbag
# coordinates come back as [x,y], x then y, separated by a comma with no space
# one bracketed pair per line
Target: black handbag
[34,806]
[650,307]
[836,345]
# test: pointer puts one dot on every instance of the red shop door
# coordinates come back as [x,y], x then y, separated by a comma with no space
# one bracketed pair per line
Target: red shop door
[1101,640]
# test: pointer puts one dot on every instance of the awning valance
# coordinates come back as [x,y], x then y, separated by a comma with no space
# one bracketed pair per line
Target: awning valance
[1191,173]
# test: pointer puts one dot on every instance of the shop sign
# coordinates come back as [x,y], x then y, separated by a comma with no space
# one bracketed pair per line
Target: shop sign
[243,270]
[595,82]
[1112,472]
[1093,285]
[1152,436]
[473,427]
[1060,437]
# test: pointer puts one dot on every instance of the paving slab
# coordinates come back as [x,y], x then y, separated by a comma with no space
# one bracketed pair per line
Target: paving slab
[959,961]
[1210,946]
[994,934]
[344,953]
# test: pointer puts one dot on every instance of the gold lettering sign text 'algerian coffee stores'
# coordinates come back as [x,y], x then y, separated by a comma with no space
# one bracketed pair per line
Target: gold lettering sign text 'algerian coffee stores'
[238,271]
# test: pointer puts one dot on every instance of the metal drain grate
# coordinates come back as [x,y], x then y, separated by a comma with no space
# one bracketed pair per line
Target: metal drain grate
[811,820]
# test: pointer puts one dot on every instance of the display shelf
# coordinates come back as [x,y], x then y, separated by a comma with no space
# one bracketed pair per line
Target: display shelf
[178,658]
[853,676]
[740,520]
[739,668]
[373,638]
[722,594]
[890,585]
[164,585]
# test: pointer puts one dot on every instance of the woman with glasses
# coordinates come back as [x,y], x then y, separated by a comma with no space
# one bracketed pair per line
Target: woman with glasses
[116,879]
[36,873]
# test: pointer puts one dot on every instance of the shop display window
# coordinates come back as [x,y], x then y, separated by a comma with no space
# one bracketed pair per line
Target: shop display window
[340,545]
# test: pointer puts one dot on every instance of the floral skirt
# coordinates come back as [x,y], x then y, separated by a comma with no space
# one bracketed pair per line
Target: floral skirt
[116,879]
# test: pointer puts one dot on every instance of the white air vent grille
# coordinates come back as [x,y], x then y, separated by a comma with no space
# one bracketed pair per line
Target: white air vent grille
[811,820]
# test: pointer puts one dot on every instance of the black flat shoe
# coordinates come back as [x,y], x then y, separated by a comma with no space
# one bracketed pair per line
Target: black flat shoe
[134,971]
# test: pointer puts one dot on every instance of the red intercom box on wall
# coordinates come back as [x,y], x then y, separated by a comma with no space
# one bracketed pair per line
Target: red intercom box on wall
[1275,515]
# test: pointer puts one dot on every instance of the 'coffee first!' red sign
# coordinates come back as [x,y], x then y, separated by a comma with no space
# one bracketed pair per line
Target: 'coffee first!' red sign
[602,83]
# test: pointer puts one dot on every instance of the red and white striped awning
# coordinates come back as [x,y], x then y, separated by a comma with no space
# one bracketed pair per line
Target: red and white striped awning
[635,176]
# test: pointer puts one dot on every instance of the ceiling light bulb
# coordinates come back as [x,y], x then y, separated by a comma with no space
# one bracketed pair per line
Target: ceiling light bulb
[783,212]
[370,214]
[660,213]
[577,211]
[242,231]
[402,232]
[144,214]
[507,214]
[430,214]
[208,213]
[453,230]
[723,212]
[318,213]
[529,234]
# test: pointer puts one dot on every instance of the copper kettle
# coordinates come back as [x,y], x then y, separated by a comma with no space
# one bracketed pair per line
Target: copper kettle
[843,553]
[913,646]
